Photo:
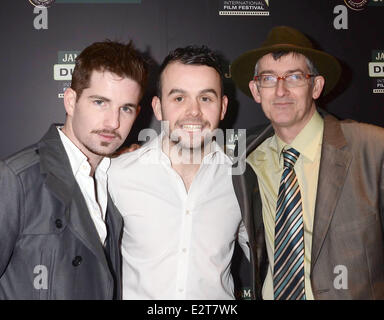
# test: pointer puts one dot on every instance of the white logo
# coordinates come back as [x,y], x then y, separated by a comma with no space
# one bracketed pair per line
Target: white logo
[341,20]
[63,72]
[186,149]
[41,280]
[245,8]
[376,69]
[341,280]
[41,20]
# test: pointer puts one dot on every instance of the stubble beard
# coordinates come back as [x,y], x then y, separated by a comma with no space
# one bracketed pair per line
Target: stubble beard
[103,144]
[189,149]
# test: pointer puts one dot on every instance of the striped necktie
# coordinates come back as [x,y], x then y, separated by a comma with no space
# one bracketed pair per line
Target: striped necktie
[288,271]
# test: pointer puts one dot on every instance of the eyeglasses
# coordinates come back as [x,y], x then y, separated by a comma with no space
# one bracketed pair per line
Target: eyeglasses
[292,80]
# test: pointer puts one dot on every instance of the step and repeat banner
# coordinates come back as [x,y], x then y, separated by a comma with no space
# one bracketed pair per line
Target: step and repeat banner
[41,39]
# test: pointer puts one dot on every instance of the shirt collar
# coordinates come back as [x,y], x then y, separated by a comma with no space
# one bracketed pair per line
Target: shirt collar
[78,160]
[217,153]
[306,142]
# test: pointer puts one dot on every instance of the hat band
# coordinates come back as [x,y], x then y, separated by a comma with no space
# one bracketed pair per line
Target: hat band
[287,45]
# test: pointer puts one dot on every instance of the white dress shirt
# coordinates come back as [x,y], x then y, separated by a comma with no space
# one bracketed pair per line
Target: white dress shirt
[96,203]
[176,244]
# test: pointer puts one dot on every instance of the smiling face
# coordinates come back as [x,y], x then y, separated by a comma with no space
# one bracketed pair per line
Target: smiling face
[288,109]
[192,102]
[99,121]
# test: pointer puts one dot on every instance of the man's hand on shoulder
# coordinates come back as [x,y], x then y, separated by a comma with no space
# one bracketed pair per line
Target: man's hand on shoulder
[123,150]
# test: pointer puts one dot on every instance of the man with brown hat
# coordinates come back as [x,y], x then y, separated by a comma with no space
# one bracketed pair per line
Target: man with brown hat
[312,197]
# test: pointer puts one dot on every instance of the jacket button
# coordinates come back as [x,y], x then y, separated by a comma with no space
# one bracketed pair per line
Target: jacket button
[77,261]
[59,223]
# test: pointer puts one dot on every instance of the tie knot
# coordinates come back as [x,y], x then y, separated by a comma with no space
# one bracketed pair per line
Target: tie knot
[290,157]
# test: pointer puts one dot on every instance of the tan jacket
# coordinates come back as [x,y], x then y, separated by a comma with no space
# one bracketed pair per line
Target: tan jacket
[347,247]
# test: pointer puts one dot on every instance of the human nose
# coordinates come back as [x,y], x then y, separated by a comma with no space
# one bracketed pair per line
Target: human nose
[195,109]
[281,87]
[112,119]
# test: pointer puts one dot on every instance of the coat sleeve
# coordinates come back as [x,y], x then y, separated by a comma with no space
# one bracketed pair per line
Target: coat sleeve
[243,240]
[382,195]
[10,212]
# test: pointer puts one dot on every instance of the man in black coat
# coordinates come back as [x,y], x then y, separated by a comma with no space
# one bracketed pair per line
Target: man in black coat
[59,230]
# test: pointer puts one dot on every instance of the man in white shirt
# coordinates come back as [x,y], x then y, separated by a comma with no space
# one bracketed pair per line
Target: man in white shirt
[181,216]
[59,230]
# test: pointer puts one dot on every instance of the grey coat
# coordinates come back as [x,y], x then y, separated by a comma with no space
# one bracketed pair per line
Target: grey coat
[349,211]
[49,246]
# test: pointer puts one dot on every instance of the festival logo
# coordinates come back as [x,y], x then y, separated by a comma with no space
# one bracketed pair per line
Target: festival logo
[376,71]
[62,71]
[244,8]
[357,5]
[42,3]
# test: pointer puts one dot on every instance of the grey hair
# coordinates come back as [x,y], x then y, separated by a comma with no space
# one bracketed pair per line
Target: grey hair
[277,55]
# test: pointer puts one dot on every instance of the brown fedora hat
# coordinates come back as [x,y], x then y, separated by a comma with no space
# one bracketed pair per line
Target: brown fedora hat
[284,38]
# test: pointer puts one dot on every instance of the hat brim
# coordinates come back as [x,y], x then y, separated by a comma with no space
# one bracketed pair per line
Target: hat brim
[242,69]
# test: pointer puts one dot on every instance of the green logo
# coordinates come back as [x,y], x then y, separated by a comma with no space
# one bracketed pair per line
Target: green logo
[376,3]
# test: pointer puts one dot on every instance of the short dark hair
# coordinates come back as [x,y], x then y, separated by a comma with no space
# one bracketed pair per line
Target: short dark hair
[118,58]
[192,55]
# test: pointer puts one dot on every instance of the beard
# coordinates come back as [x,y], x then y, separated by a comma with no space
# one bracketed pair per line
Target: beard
[109,132]
[187,147]
[104,147]
[99,152]
[194,142]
